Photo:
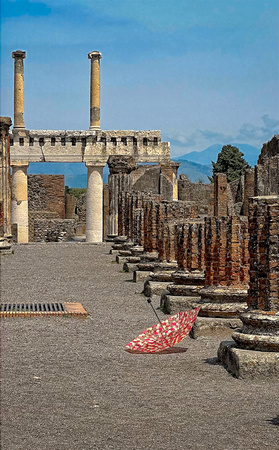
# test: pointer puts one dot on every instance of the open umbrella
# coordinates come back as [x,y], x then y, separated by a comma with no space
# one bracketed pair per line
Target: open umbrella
[164,334]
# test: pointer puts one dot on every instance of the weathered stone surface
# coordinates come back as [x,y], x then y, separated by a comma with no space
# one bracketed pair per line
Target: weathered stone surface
[224,294]
[154,287]
[184,290]
[120,259]
[133,259]
[248,364]
[207,326]
[222,309]
[195,278]
[171,304]
[140,275]
[162,275]
[129,267]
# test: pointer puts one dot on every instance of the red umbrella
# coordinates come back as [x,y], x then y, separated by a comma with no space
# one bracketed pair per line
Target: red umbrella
[164,334]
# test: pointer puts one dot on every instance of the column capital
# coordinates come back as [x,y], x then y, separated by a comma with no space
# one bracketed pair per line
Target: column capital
[96,163]
[18,54]
[95,55]
[20,164]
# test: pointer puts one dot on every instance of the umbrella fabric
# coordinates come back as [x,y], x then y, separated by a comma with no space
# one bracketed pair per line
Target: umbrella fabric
[164,334]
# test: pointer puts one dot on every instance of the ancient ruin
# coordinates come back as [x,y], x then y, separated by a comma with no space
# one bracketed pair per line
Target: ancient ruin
[215,246]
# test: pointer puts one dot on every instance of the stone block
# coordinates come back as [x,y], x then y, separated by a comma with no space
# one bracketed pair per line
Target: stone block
[129,267]
[154,287]
[141,275]
[184,290]
[172,304]
[248,364]
[120,259]
[207,326]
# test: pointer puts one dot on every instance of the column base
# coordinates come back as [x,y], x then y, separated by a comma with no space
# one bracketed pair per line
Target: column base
[248,363]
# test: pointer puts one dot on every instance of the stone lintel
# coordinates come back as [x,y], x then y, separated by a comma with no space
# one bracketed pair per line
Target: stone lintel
[18,54]
[248,363]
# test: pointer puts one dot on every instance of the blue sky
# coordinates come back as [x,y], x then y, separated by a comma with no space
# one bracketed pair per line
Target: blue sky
[202,71]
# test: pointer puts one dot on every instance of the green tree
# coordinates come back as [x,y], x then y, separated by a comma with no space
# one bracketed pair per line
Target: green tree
[231,162]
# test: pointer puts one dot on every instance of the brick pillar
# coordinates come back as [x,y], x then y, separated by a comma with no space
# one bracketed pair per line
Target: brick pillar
[249,187]
[220,195]
[260,329]
[5,184]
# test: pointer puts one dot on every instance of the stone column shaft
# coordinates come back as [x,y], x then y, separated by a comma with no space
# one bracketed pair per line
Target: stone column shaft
[94,203]
[20,200]
[18,56]
[95,90]
[5,180]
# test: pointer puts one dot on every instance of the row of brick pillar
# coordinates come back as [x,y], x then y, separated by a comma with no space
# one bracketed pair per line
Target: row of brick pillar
[232,251]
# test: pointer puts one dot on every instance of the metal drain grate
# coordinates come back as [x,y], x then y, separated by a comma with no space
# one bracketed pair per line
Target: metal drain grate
[42,309]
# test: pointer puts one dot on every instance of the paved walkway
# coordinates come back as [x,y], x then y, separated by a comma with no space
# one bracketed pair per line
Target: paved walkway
[67,383]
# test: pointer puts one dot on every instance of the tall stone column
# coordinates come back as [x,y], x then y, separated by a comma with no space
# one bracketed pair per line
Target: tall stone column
[95,90]
[5,183]
[18,56]
[94,202]
[20,200]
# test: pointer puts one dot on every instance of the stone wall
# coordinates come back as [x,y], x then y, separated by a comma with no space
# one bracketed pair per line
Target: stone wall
[199,193]
[53,230]
[267,169]
[46,192]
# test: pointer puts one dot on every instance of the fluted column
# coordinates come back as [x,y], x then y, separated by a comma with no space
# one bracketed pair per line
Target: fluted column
[95,90]
[94,202]
[19,56]
[20,200]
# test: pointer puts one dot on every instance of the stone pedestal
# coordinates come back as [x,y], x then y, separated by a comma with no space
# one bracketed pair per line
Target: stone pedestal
[94,202]
[20,200]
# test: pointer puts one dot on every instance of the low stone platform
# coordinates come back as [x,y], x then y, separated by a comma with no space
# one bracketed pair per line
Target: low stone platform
[120,259]
[184,290]
[141,275]
[154,287]
[225,310]
[248,363]
[212,326]
[172,304]
[129,267]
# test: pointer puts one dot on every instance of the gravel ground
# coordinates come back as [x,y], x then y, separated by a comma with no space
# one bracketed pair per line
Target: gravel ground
[67,383]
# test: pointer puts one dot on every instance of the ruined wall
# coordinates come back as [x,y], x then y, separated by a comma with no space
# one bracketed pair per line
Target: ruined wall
[156,179]
[199,193]
[53,230]
[46,193]
[267,169]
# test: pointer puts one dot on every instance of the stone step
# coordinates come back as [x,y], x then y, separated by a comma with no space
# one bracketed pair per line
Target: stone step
[141,275]
[125,253]
[154,287]
[162,275]
[184,289]
[129,267]
[187,278]
[224,294]
[172,304]
[133,259]
[248,364]
[209,326]
[222,309]
[120,259]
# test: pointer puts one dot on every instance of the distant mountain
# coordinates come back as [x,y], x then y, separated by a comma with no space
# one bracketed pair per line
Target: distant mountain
[195,172]
[211,153]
